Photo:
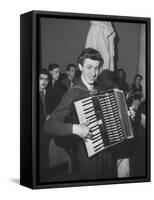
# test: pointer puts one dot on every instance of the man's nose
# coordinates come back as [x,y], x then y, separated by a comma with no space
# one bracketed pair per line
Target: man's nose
[93,72]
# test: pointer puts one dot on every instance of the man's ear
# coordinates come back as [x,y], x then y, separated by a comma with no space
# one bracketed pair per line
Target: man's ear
[100,69]
[80,67]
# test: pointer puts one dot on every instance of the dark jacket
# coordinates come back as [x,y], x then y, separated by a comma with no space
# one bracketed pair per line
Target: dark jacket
[54,95]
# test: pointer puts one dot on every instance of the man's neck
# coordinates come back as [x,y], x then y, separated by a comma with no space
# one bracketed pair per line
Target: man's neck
[89,86]
[43,90]
[69,78]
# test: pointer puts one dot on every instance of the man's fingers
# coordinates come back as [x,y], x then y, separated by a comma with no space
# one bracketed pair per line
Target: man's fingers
[89,136]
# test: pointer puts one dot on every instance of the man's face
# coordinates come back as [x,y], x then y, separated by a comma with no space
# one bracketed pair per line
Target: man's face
[71,73]
[90,70]
[121,74]
[43,81]
[55,74]
[138,80]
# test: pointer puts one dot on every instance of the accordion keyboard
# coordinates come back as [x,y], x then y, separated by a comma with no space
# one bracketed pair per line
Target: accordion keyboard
[104,116]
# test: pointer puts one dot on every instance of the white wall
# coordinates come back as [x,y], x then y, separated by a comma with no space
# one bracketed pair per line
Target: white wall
[9,101]
[141,57]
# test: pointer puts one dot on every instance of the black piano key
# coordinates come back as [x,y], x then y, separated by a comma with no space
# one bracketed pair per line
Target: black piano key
[88,111]
[96,137]
[88,108]
[97,145]
[99,149]
[94,128]
[86,103]
[110,123]
[111,118]
[90,116]
[92,120]
[94,141]
[86,100]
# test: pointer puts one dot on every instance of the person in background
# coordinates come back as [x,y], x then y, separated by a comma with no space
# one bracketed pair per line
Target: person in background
[43,83]
[106,80]
[70,72]
[55,90]
[99,166]
[135,94]
[121,153]
[139,155]
[121,81]
[43,138]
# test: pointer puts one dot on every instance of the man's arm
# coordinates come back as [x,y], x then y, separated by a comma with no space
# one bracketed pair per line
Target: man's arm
[55,125]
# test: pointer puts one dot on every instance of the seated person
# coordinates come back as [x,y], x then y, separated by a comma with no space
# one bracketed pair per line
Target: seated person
[52,157]
[56,89]
[135,95]
[43,138]
[43,83]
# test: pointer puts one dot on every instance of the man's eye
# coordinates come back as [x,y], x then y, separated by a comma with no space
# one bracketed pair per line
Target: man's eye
[97,68]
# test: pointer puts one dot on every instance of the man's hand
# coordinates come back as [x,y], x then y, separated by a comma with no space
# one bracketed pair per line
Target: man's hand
[131,112]
[82,130]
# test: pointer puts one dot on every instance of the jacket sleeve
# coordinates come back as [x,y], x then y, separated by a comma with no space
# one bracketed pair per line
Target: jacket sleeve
[55,125]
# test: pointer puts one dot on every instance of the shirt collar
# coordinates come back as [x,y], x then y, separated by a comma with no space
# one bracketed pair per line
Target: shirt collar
[90,87]
[43,91]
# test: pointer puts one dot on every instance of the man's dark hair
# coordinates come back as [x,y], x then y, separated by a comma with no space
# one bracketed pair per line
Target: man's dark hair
[68,67]
[45,71]
[90,53]
[53,66]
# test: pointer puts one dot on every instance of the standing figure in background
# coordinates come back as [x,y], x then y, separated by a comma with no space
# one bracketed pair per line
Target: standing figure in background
[56,89]
[101,37]
[70,72]
[121,81]
[135,95]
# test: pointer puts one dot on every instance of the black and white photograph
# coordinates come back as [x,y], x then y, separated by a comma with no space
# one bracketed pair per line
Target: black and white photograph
[91,88]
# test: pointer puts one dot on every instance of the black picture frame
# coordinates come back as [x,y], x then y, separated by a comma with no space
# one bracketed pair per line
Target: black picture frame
[29,97]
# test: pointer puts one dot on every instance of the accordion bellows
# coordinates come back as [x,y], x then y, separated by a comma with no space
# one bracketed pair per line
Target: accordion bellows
[107,117]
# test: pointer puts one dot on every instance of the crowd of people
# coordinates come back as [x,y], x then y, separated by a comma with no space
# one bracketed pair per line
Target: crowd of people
[58,91]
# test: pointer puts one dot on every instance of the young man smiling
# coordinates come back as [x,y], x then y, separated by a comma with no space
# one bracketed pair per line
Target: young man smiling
[63,121]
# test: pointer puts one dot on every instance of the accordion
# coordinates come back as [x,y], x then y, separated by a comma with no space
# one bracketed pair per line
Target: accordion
[107,117]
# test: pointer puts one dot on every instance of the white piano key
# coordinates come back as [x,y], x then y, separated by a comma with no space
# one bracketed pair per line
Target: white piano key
[90,105]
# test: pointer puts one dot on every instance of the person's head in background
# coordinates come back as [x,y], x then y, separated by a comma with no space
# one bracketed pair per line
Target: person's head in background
[43,79]
[121,74]
[90,61]
[54,70]
[137,80]
[106,80]
[71,71]
[106,75]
